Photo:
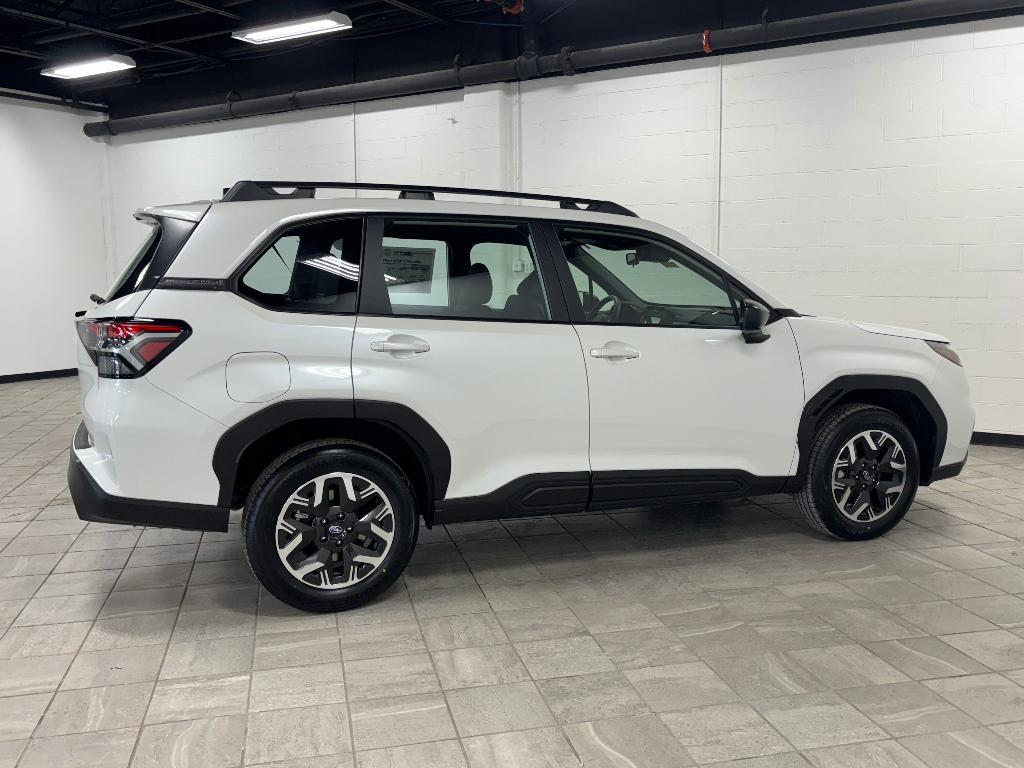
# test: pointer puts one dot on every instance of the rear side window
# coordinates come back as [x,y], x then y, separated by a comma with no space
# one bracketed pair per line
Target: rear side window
[309,268]
[469,270]
[153,258]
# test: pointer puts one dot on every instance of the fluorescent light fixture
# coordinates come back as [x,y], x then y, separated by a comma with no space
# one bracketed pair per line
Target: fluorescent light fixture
[103,66]
[289,30]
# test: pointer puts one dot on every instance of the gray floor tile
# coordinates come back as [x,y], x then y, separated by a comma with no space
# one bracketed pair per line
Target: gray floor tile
[725,732]
[487,665]
[43,640]
[469,630]
[103,749]
[399,720]
[214,742]
[19,715]
[95,709]
[987,698]
[391,676]
[817,720]
[591,697]
[114,667]
[297,733]
[638,742]
[924,658]
[537,748]
[874,754]
[198,697]
[494,708]
[978,748]
[563,657]
[759,677]
[680,686]
[436,754]
[294,649]
[540,624]
[208,657]
[40,674]
[637,648]
[392,638]
[938,618]
[996,649]
[907,709]
[846,666]
[297,687]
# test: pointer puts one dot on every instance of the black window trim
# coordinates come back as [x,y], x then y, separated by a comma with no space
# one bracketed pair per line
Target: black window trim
[233,283]
[569,285]
[373,294]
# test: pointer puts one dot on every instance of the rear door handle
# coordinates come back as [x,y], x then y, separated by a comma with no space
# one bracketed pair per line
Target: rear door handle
[615,351]
[401,345]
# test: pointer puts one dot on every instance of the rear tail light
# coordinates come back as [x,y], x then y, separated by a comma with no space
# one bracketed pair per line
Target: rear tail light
[125,349]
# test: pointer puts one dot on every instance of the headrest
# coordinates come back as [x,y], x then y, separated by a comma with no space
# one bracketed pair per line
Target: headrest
[473,289]
[530,287]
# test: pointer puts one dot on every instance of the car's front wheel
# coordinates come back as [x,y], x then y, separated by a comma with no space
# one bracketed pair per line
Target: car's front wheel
[862,473]
[330,525]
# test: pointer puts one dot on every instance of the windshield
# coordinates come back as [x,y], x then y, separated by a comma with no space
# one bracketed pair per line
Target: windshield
[132,275]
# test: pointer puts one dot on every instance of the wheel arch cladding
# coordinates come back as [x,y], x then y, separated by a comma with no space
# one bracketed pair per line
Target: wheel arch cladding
[907,398]
[245,449]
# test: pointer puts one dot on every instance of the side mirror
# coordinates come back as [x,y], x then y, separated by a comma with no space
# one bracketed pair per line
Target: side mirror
[753,318]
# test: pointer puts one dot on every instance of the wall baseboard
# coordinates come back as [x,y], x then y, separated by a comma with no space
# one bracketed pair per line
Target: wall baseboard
[997,438]
[59,374]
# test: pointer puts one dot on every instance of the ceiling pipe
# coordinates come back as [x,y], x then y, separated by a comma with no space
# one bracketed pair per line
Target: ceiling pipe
[568,62]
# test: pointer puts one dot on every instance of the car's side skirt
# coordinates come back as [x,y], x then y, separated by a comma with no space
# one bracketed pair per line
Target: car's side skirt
[563,492]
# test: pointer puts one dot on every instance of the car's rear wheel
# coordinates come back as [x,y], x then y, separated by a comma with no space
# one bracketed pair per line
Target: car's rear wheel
[862,473]
[330,525]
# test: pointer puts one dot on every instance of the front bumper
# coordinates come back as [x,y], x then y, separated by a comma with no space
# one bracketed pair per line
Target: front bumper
[947,471]
[94,504]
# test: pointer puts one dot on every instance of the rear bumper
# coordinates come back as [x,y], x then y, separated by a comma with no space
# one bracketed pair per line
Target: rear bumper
[947,471]
[94,504]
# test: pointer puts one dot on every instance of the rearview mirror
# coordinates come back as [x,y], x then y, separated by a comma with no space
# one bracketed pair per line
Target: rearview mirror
[648,252]
[753,318]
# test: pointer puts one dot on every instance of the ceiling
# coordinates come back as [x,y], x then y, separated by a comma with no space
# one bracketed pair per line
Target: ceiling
[187,57]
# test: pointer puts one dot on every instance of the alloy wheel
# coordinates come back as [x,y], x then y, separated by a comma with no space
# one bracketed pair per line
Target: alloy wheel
[335,530]
[869,475]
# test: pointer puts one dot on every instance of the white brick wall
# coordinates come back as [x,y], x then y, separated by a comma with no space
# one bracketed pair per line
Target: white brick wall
[878,178]
[51,230]
[901,197]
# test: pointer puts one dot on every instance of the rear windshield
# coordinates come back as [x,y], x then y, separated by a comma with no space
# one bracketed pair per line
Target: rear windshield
[153,258]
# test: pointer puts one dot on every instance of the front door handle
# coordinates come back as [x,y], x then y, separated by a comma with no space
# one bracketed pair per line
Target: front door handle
[615,351]
[401,345]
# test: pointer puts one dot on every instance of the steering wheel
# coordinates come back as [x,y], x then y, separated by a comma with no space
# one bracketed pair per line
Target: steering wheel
[610,315]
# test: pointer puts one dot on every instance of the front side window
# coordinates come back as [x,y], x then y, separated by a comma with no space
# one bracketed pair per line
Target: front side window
[627,279]
[468,270]
[310,268]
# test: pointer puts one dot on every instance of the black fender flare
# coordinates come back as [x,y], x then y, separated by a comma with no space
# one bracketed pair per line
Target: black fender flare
[424,440]
[818,405]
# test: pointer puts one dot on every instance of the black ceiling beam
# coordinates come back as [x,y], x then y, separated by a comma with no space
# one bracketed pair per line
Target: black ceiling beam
[120,37]
[417,11]
[209,9]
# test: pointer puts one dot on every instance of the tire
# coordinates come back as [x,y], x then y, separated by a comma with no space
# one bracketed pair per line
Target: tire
[371,530]
[830,456]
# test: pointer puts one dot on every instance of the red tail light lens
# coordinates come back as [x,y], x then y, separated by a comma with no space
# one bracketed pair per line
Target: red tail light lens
[125,349]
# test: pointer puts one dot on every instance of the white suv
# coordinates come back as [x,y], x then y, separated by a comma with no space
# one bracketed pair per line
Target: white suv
[339,368]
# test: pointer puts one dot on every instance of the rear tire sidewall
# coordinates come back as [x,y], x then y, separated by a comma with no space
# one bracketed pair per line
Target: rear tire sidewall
[272,493]
[821,475]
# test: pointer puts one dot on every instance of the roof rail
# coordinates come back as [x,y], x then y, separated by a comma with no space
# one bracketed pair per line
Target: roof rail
[267,190]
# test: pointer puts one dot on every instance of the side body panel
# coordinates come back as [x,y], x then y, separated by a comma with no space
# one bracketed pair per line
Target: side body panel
[509,399]
[830,349]
[693,399]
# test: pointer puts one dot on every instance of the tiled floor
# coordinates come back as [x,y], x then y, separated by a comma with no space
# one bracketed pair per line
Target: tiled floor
[728,635]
